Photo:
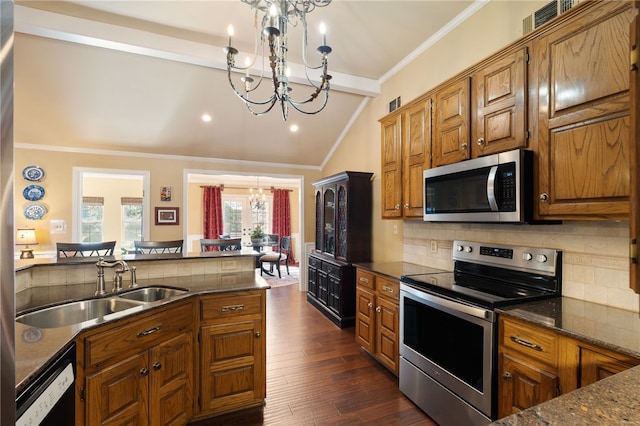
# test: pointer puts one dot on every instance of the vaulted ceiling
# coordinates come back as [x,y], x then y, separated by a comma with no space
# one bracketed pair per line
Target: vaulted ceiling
[138,75]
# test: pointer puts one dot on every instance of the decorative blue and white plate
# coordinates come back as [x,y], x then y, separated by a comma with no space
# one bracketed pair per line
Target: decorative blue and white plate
[35,211]
[33,193]
[33,173]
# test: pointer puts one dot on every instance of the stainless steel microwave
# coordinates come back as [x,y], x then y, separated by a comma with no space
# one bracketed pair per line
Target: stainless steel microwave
[495,188]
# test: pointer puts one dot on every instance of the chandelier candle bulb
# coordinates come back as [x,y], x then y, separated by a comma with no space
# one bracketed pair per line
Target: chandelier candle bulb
[323,31]
[230,32]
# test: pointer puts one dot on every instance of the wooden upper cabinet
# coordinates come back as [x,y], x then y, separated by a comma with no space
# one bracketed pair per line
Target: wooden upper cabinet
[583,139]
[634,220]
[451,123]
[416,156]
[392,167]
[500,105]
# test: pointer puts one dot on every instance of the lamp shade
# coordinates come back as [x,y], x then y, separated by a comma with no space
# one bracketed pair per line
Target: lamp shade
[26,236]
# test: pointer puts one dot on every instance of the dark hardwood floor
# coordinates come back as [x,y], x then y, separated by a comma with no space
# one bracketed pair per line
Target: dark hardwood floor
[318,375]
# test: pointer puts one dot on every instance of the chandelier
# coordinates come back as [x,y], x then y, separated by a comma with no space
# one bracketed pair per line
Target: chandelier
[271,36]
[257,199]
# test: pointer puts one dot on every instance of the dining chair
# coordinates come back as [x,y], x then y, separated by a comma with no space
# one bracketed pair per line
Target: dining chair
[104,248]
[274,259]
[158,247]
[223,244]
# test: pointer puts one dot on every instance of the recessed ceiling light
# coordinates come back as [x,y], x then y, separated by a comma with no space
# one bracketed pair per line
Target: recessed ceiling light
[294,128]
[206,118]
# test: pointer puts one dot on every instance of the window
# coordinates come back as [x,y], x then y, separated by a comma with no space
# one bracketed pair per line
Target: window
[131,221]
[240,217]
[92,219]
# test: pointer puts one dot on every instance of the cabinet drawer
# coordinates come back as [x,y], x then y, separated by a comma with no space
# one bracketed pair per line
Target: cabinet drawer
[365,279]
[314,261]
[138,335]
[229,306]
[332,269]
[388,288]
[535,342]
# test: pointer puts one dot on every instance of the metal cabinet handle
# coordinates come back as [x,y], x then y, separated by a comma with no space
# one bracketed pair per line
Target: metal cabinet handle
[144,371]
[528,344]
[370,305]
[397,206]
[378,309]
[257,335]
[506,376]
[387,289]
[406,206]
[149,331]
[480,141]
[463,146]
[232,308]
[157,366]
[364,280]
[544,197]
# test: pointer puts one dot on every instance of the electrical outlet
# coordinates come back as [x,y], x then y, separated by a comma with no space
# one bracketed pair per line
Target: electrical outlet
[58,227]
[434,246]
[395,229]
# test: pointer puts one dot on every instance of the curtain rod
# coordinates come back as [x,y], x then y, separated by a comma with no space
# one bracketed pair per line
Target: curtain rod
[240,187]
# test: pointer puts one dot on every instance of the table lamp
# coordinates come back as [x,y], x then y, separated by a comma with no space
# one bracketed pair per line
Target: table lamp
[24,237]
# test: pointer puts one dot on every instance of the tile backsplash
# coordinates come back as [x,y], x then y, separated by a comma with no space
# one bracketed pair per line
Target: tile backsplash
[595,253]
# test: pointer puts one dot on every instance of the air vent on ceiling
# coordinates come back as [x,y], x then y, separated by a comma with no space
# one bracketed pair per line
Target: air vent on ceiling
[546,13]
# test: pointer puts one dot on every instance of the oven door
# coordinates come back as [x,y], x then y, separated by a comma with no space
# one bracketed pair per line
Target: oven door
[452,343]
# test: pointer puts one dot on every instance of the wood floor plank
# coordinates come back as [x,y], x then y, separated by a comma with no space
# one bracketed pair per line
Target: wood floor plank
[318,375]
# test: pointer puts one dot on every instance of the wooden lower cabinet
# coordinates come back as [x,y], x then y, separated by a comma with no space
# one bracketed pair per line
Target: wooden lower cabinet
[138,371]
[536,364]
[232,352]
[377,326]
[142,369]
[331,289]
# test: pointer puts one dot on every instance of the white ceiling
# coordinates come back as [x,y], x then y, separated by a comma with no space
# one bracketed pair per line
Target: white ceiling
[137,75]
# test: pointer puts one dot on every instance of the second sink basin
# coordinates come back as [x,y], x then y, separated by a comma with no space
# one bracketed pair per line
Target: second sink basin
[152,294]
[75,312]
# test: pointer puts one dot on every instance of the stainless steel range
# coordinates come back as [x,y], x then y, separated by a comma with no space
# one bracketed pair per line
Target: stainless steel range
[448,347]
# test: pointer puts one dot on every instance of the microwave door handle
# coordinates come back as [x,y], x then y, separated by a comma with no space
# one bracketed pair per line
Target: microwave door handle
[491,188]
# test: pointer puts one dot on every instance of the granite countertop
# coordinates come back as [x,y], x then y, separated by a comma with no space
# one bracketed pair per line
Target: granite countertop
[36,347]
[611,401]
[395,270]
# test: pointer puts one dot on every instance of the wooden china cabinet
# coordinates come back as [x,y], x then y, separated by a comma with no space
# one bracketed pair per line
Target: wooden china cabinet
[343,205]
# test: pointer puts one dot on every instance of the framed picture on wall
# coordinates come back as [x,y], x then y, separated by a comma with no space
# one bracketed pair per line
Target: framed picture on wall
[167,216]
[165,193]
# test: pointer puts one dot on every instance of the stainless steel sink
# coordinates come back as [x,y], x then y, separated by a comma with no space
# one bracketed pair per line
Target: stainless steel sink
[152,294]
[76,312]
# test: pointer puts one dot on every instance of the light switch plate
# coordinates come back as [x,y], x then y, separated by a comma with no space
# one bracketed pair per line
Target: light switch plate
[58,226]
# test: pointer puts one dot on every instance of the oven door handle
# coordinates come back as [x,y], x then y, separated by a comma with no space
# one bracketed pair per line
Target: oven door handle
[451,305]
[491,188]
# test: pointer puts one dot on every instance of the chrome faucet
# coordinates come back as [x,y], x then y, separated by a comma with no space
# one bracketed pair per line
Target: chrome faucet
[117,278]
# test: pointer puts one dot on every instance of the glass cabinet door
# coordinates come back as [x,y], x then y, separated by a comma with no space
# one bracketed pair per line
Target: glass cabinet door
[341,223]
[319,226]
[329,217]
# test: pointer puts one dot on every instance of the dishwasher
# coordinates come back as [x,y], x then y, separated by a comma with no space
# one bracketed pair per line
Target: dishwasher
[50,398]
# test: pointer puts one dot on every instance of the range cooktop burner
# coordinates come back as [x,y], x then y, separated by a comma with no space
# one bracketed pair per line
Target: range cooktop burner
[492,276]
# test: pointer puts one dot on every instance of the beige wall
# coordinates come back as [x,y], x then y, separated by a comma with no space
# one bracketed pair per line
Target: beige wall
[164,171]
[595,253]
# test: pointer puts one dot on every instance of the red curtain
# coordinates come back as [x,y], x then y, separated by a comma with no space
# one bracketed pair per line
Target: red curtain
[281,221]
[212,212]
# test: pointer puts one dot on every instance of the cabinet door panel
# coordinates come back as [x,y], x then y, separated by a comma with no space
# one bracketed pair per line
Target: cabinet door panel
[391,167]
[596,366]
[500,88]
[416,156]
[365,321]
[117,395]
[523,385]
[584,124]
[451,131]
[231,365]
[171,381]
[387,325]
[634,221]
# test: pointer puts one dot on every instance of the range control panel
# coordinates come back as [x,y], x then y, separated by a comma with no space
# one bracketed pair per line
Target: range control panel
[531,259]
